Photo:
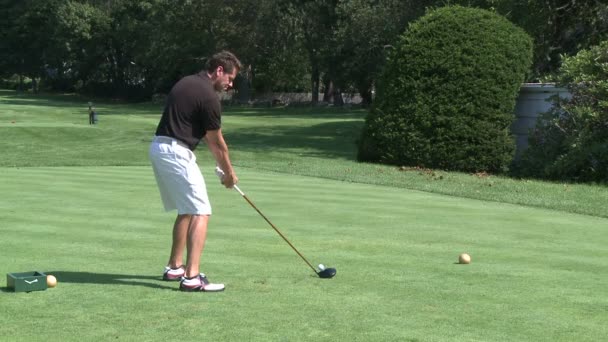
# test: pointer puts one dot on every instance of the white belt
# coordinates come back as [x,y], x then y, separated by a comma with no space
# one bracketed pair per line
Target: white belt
[169,140]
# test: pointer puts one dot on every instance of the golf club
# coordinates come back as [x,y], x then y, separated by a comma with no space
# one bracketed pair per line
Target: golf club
[322,272]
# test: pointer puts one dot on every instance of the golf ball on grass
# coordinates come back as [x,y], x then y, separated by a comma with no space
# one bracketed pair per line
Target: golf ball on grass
[51,281]
[464,258]
[321,267]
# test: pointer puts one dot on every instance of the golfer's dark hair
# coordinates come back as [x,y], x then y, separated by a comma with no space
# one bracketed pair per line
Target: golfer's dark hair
[225,59]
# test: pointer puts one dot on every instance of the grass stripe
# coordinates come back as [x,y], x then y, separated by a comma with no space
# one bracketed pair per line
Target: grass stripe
[394,249]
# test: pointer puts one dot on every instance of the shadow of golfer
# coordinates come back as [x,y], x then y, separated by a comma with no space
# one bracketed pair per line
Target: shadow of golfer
[110,279]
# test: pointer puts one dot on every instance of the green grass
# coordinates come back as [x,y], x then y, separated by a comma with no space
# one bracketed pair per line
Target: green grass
[80,202]
[53,131]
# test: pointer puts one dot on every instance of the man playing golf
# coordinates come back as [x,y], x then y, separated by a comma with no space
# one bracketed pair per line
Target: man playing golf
[192,112]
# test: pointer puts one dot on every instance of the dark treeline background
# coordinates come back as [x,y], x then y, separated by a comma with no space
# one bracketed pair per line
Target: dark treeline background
[134,49]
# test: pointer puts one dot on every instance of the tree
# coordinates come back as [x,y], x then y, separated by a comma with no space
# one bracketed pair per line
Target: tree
[78,41]
[276,51]
[317,20]
[28,37]
[561,27]
[365,33]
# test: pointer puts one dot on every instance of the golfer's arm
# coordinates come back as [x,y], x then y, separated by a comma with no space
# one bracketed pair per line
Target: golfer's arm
[217,145]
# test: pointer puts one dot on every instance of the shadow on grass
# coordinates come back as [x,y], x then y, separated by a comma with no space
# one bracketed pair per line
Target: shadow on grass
[31,101]
[297,112]
[335,139]
[82,107]
[103,106]
[334,136]
[118,107]
[41,99]
[110,279]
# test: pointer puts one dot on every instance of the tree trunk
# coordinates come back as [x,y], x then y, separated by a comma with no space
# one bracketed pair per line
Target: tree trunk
[365,91]
[328,86]
[337,95]
[243,86]
[366,98]
[315,84]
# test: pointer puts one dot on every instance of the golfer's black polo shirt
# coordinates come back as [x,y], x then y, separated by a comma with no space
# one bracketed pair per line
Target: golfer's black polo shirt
[192,108]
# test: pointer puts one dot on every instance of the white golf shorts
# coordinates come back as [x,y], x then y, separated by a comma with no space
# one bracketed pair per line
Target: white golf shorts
[180,181]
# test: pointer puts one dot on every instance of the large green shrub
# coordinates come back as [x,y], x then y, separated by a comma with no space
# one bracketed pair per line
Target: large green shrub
[570,141]
[447,95]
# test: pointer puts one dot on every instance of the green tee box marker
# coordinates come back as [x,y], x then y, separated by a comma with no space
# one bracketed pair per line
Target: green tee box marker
[26,281]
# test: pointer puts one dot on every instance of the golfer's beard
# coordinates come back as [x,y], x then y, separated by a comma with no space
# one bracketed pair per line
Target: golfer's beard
[218,86]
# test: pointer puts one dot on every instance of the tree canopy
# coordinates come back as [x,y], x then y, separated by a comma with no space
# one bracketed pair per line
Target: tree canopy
[135,48]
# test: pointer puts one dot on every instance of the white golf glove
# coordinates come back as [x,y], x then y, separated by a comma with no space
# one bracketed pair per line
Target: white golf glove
[219,172]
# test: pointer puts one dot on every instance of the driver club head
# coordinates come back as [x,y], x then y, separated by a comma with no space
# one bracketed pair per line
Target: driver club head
[327,273]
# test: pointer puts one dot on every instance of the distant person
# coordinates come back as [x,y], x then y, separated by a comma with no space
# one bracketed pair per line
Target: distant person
[92,114]
[192,113]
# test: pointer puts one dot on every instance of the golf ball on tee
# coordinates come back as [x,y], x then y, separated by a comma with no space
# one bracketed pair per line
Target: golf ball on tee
[321,267]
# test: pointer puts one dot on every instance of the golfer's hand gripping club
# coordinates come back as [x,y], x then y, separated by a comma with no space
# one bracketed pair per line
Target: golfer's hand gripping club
[220,173]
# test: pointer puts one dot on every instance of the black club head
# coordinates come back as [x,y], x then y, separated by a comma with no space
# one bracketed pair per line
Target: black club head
[327,273]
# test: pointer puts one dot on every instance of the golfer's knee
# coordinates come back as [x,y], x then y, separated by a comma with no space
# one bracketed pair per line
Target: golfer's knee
[183,217]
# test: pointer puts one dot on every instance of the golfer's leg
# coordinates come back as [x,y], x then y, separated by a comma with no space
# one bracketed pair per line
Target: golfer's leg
[197,233]
[180,234]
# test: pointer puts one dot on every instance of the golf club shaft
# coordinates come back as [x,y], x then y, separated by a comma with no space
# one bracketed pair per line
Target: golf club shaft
[273,227]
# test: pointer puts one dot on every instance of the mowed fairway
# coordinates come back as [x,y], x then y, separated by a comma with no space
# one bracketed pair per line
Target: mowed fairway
[537,274]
